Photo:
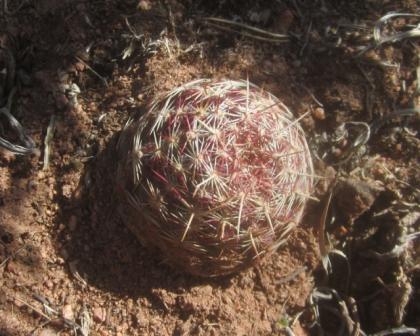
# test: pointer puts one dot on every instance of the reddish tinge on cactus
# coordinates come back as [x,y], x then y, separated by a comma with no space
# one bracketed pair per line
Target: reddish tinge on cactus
[214,174]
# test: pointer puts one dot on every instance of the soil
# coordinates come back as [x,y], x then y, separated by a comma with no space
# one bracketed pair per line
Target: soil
[69,266]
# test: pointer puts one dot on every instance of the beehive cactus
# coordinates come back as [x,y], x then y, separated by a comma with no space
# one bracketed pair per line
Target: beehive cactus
[214,174]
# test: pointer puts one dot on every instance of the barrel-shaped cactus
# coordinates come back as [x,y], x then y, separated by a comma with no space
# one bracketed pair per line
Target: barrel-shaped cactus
[214,174]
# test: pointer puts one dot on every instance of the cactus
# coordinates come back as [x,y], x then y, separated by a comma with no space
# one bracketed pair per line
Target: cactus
[214,174]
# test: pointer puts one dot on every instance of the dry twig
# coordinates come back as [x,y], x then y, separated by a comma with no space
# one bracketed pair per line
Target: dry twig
[246,30]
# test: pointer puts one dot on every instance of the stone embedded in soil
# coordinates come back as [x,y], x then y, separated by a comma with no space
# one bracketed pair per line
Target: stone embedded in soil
[354,197]
[144,5]
[67,190]
[49,284]
[32,185]
[18,303]
[67,312]
[60,261]
[185,304]
[183,328]
[80,66]
[11,267]
[319,113]
[99,314]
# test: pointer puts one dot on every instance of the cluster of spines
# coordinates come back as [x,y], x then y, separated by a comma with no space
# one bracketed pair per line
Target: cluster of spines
[220,162]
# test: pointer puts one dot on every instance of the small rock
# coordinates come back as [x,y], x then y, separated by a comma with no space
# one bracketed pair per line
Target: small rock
[137,318]
[183,328]
[32,185]
[67,190]
[319,113]
[353,197]
[99,314]
[11,267]
[144,5]
[337,152]
[49,284]
[18,303]
[130,304]
[67,312]
[6,155]
[185,304]
[207,290]
[59,261]
[80,66]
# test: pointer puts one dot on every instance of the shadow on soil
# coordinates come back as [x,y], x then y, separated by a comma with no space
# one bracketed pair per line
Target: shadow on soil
[104,252]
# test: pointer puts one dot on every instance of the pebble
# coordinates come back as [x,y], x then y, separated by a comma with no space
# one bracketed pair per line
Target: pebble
[207,290]
[144,5]
[49,284]
[319,113]
[80,66]
[67,312]
[336,152]
[18,303]
[32,185]
[11,267]
[67,190]
[99,314]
